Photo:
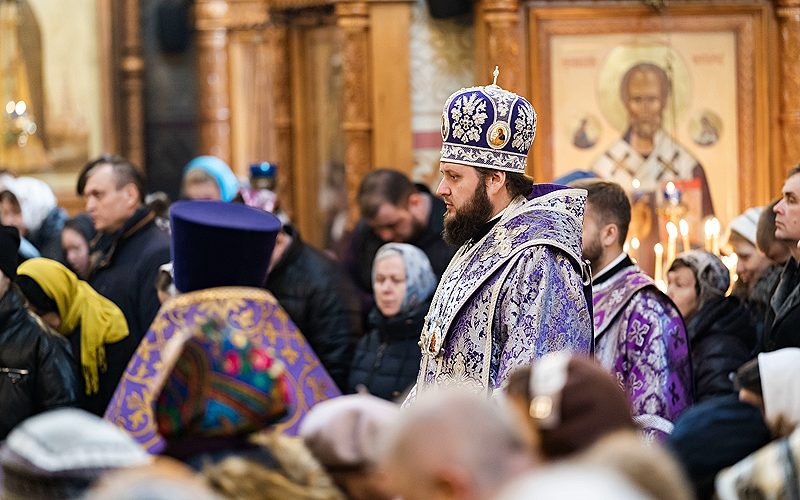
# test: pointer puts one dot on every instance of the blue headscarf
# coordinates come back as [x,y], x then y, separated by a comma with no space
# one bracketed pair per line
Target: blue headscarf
[220,171]
[420,280]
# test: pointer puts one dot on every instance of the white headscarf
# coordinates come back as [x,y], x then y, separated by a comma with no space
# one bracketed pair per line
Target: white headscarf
[420,280]
[780,388]
[35,197]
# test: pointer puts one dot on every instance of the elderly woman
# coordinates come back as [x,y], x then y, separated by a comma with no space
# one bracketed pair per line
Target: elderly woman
[387,358]
[721,332]
[95,326]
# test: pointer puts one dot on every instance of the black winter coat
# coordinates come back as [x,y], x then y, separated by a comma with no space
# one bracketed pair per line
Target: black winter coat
[118,355]
[321,301]
[722,336]
[37,372]
[783,316]
[387,358]
[124,269]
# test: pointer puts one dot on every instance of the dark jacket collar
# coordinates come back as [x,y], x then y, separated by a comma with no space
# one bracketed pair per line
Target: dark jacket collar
[105,244]
[291,253]
[626,262]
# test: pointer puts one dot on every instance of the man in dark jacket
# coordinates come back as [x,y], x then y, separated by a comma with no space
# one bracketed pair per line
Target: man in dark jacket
[131,247]
[393,209]
[36,370]
[319,298]
[783,313]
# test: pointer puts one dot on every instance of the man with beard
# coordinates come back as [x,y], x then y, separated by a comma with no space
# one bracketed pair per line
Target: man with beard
[394,209]
[646,152]
[639,334]
[514,290]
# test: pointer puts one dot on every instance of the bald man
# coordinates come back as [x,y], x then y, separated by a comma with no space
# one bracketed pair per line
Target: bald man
[454,445]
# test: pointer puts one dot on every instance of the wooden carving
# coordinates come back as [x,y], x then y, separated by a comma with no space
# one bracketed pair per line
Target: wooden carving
[132,70]
[212,70]
[502,21]
[353,20]
[278,42]
[788,14]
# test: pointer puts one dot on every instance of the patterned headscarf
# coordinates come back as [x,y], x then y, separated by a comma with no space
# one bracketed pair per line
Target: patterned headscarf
[713,278]
[218,362]
[420,280]
[223,384]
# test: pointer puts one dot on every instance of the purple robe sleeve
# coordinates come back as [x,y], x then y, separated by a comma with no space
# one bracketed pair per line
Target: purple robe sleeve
[654,364]
[541,309]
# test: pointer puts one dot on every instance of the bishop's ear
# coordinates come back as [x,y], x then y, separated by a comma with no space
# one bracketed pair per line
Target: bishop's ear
[495,181]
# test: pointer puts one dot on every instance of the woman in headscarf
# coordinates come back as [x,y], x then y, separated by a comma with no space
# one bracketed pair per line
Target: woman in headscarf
[387,358]
[209,178]
[76,239]
[94,326]
[721,332]
[42,218]
[770,382]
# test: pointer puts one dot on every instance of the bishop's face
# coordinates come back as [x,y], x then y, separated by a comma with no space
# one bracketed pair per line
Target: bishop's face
[464,193]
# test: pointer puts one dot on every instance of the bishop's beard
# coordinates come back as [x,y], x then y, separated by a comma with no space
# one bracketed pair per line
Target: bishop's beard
[466,222]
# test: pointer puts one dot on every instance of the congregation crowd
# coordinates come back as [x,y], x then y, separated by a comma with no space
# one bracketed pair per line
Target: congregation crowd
[492,340]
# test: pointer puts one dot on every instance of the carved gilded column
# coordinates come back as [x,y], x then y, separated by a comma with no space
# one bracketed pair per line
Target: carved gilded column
[213,84]
[503,44]
[132,73]
[353,21]
[788,14]
[278,36]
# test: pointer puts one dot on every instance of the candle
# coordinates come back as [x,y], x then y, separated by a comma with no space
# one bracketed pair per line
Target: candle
[707,231]
[684,226]
[672,241]
[635,184]
[634,248]
[659,251]
[715,229]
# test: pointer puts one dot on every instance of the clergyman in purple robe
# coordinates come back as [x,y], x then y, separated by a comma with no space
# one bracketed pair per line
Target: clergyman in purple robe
[514,290]
[639,334]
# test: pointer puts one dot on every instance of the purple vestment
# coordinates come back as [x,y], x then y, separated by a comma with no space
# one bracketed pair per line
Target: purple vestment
[254,312]
[511,297]
[640,337]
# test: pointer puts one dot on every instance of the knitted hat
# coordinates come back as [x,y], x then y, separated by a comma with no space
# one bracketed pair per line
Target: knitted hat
[9,249]
[713,278]
[59,454]
[574,402]
[343,432]
[488,127]
[220,244]
[745,225]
